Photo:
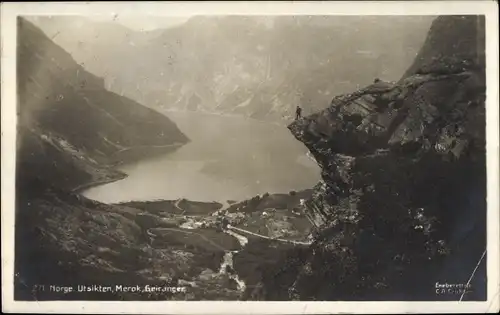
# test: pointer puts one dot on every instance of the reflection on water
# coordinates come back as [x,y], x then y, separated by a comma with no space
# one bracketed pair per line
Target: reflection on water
[227,158]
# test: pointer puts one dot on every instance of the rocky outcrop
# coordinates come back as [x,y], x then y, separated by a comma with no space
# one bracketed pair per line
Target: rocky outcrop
[71,129]
[401,204]
[439,55]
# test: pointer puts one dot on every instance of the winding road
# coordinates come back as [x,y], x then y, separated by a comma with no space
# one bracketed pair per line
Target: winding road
[243,241]
[269,238]
[227,260]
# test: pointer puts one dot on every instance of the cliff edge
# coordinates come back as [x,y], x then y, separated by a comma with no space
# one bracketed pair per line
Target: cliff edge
[401,205]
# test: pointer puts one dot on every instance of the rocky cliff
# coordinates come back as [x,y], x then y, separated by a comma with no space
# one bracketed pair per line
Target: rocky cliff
[255,66]
[71,129]
[401,204]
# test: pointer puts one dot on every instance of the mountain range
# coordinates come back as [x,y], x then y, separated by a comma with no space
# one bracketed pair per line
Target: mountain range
[256,66]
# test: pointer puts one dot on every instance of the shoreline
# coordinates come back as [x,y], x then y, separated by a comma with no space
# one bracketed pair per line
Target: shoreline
[224,202]
[79,189]
[173,145]
[139,153]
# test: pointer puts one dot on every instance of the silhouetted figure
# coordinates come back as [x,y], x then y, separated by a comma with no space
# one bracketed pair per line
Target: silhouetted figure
[298,113]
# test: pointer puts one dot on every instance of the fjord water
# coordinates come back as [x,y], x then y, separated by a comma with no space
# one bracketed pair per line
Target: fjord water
[228,158]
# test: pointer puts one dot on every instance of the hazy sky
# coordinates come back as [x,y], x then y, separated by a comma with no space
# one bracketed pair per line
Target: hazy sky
[141,23]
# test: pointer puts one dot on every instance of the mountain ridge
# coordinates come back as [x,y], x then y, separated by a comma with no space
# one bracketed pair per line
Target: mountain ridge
[66,116]
[264,64]
[403,189]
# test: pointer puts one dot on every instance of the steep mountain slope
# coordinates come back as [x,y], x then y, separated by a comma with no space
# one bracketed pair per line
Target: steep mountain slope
[401,205]
[70,127]
[437,53]
[254,66]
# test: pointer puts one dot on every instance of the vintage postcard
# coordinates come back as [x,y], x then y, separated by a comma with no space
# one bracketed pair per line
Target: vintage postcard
[250,157]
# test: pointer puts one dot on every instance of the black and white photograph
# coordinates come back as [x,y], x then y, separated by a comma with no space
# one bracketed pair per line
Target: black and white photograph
[252,157]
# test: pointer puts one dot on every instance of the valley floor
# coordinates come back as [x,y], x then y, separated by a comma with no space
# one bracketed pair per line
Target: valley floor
[77,241]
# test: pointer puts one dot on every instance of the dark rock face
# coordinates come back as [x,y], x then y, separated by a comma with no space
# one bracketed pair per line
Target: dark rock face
[402,197]
[465,52]
[70,126]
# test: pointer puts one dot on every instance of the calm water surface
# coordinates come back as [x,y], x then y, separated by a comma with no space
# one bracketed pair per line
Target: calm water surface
[228,158]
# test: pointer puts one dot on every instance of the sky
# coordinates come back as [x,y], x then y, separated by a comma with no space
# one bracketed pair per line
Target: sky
[140,23]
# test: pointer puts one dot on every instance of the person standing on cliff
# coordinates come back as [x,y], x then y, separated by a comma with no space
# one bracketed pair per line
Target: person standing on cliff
[298,113]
